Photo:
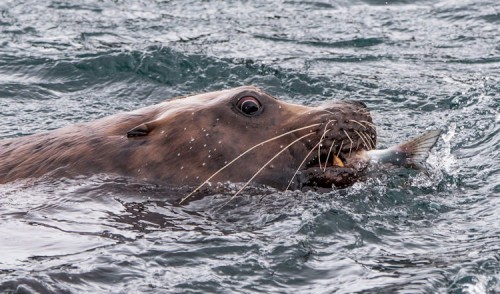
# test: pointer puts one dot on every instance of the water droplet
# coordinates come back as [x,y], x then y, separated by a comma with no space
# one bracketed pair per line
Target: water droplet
[182,167]
[204,145]
[178,154]
[204,164]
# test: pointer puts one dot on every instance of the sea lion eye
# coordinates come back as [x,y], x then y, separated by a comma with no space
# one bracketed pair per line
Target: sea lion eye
[249,105]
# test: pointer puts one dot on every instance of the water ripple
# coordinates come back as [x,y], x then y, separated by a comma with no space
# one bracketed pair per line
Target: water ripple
[417,65]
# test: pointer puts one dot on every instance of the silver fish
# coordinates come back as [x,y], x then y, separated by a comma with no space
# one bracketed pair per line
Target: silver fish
[412,153]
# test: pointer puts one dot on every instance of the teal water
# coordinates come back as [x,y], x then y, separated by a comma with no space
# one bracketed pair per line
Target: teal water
[416,64]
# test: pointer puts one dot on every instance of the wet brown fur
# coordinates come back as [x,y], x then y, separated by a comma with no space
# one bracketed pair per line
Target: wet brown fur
[186,140]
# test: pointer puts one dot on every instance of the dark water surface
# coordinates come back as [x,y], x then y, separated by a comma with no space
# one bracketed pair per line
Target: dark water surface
[417,64]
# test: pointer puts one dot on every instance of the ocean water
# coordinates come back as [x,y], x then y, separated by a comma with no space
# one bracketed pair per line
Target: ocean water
[418,65]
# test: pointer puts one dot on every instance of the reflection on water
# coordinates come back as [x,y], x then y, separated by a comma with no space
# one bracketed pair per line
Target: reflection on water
[417,65]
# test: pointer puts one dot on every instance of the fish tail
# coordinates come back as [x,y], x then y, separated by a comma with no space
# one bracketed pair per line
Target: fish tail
[417,149]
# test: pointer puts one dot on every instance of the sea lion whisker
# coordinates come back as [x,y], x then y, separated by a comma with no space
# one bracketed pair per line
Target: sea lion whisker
[365,140]
[266,164]
[301,164]
[370,144]
[242,154]
[355,121]
[320,141]
[362,139]
[340,111]
[352,142]
[371,140]
[327,111]
[328,155]
[368,124]
[340,149]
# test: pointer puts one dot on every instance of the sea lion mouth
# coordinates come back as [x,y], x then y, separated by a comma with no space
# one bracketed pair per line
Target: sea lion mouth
[336,165]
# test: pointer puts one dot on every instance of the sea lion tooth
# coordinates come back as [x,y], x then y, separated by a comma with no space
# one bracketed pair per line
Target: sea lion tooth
[337,161]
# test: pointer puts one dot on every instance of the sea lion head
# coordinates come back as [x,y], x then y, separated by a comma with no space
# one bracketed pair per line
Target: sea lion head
[246,135]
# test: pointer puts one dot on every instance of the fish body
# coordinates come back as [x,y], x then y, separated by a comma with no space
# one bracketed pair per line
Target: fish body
[345,170]
[412,153]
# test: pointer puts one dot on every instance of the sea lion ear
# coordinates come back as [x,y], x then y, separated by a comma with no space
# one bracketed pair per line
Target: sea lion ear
[145,128]
[140,130]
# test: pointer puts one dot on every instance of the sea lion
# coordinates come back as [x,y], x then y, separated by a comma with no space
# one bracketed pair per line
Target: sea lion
[238,135]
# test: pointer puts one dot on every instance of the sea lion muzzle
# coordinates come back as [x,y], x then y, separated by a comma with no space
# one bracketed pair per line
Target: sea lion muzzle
[349,131]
